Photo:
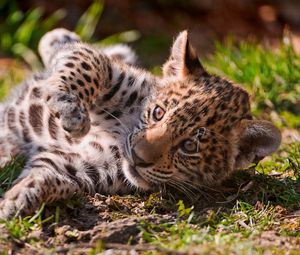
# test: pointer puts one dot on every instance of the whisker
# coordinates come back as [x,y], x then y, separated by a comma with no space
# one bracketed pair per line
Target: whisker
[188,186]
[128,148]
[198,188]
[179,188]
[123,125]
[185,190]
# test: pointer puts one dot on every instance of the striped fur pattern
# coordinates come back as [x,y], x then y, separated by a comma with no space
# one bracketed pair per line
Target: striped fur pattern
[92,122]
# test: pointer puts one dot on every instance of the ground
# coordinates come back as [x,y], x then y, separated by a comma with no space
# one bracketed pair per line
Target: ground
[255,211]
[251,213]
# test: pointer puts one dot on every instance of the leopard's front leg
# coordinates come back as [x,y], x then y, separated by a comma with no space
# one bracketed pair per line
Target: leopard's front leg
[46,178]
[30,192]
[79,74]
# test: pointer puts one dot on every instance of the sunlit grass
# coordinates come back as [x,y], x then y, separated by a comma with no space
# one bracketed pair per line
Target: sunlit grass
[10,77]
[9,173]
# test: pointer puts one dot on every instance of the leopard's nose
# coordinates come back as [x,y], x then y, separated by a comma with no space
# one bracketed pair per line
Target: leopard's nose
[139,161]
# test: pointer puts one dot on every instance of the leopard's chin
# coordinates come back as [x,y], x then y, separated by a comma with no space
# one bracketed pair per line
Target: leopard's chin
[133,176]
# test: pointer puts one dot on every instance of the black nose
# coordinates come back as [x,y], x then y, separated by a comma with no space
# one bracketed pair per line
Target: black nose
[139,161]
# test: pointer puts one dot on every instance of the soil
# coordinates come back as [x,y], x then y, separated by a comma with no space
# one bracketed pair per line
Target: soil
[116,221]
[114,224]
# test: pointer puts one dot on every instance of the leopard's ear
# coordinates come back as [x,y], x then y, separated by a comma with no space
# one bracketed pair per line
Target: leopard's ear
[183,60]
[256,140]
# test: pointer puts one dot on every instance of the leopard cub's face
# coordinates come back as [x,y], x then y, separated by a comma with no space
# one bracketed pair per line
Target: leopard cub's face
[197,128]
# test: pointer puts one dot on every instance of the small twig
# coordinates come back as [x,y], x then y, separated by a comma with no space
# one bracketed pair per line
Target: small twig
[234,197]
[142,247]
[138,248]
[295,214]
[31,247]
[240,190]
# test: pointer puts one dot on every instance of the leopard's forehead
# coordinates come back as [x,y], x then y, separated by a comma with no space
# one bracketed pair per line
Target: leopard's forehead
[210,102]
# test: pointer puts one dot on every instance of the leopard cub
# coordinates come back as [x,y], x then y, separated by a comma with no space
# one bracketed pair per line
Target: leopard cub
[92,122]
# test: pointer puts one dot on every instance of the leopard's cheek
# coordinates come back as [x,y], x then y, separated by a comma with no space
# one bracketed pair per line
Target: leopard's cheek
[160,172]
[165,165]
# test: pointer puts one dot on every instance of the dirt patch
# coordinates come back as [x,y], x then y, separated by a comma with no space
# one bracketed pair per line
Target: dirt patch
[116,225]
[82,222]
[272,238]
[114,222]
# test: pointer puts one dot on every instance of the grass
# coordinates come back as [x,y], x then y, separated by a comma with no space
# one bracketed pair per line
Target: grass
[9,173]
[220,233]
[20,39]
[285,189]
[19,229]
[9,78]
[253,214]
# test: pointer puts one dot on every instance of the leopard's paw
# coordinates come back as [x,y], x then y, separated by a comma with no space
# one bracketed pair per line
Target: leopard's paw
[8,209]
[72,113]
[52,41]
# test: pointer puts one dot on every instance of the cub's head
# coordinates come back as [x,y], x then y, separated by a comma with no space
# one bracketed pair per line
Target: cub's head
[197,127]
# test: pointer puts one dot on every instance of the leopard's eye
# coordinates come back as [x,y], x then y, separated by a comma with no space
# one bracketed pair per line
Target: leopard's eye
[158,113]
[190,146]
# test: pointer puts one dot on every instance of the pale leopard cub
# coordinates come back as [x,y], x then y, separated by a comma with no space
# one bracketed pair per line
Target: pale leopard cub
[92,123]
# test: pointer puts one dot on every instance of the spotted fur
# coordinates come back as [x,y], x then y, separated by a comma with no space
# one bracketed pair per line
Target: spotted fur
[93,123]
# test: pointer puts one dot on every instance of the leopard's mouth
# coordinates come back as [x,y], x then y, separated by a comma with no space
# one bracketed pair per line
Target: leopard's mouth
[134,177]
[139,171]
[135,173]
[132,172]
